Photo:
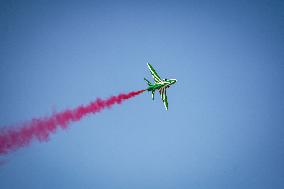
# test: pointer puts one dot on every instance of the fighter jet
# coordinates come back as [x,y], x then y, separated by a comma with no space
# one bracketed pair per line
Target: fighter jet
[160,85]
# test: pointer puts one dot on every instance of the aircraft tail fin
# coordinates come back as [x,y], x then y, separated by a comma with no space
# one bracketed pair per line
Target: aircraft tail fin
[150,84]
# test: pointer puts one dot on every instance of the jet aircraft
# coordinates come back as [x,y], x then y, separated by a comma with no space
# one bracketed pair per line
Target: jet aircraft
[160,85]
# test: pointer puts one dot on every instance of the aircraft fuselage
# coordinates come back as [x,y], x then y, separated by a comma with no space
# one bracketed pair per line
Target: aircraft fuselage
[163,84]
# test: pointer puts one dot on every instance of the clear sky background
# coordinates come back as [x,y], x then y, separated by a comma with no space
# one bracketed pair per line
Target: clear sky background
[224,127]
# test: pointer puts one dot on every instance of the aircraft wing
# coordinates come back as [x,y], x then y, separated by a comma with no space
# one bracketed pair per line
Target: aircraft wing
[164,97]
[156,77]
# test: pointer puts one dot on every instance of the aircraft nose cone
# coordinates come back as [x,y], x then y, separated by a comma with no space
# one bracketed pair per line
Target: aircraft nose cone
[172,81]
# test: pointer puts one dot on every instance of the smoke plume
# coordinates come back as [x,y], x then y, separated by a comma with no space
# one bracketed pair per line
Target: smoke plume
[40,128]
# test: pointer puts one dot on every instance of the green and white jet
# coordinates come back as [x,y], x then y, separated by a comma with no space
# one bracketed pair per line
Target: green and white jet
[160,85]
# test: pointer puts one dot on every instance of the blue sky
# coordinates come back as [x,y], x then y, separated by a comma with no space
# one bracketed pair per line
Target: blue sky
[224,127]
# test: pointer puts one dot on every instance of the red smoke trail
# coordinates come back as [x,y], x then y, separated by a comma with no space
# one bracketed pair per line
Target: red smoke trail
[11,139]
